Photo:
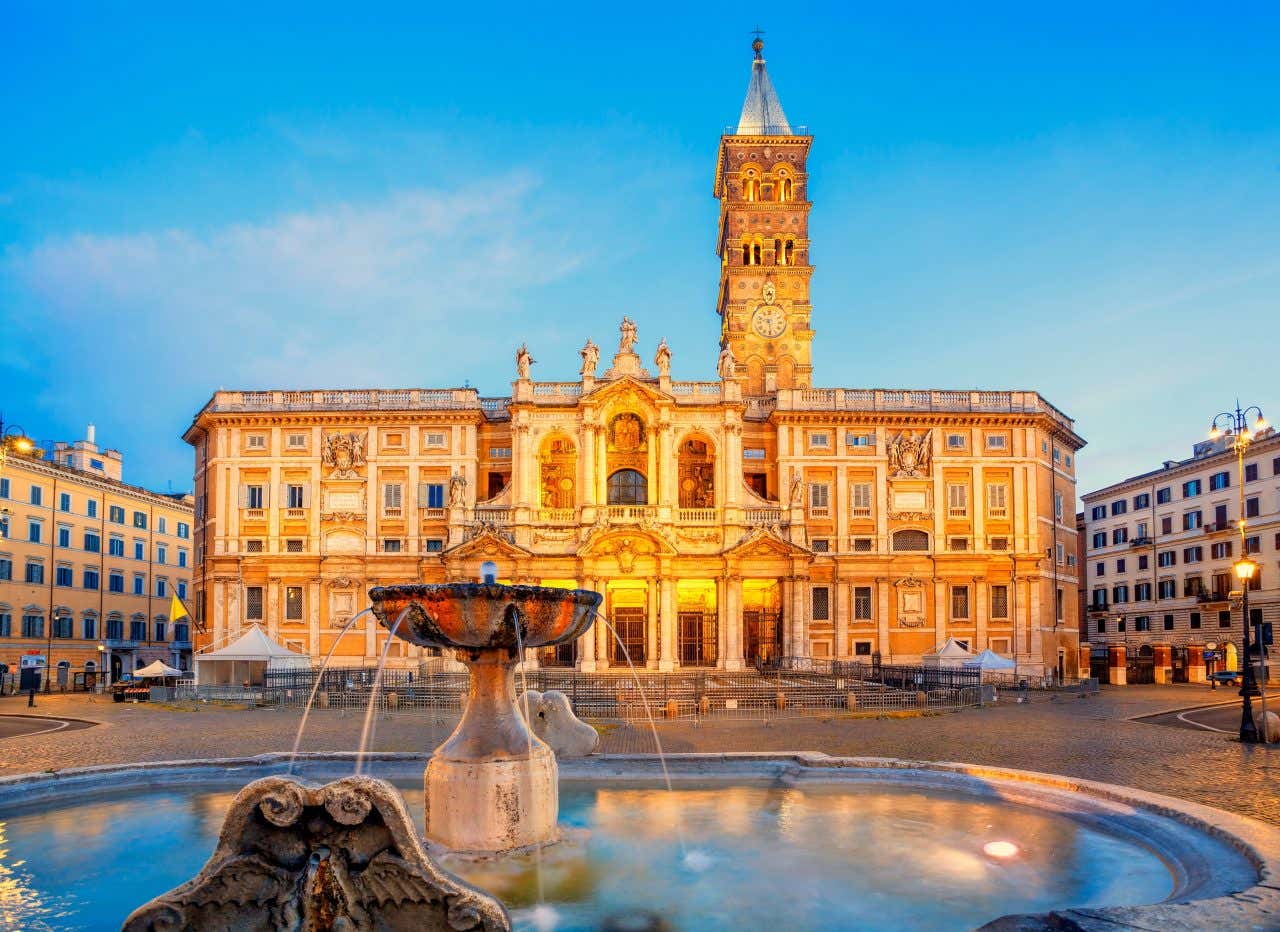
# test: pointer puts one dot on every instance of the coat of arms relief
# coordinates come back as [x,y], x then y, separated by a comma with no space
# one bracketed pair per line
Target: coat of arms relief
[909,455]
[343,453]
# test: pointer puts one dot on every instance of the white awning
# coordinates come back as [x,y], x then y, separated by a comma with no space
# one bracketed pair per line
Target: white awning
[159,668]
[950,654]
[990,660]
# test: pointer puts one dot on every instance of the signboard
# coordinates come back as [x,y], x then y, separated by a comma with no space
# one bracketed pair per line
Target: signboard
[32,661]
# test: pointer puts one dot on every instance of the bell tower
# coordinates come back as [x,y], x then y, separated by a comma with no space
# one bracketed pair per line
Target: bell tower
[763,243]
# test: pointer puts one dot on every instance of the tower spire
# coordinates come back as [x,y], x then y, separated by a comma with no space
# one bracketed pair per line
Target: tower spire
[761,112]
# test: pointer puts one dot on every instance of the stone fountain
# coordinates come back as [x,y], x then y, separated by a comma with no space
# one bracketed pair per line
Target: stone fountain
[493,785]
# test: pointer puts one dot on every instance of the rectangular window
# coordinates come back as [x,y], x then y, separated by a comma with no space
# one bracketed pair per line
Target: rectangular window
[254,497]
[1251,507]
[115,629]
[1219,480]
[162,525]
[1253,545]
[997,500]
[115,514]
[162,554]
[753,453]
[860,500]
[956,441]
[182,589]
[819,499]
[1102,626]
[1119,507]
[1164,496]
[64,537]
[137,630]
[184,530]
[1099,598]
[1120,565]
[499,453]
[293,545]
[1059,602]
[115,582]
[1120,535]
[820,440]
[33,532]
[1192,520]
[997,442]
[162,588]
[253,603]
[1191,488]
[139,584]
[1192,586]
[857,440]
[139,550]
[1120,594]
[1167,558]
[37,495]
[1100,568]
[35,573]
[89,629]
[1168,589]
[1142,623]
[1193,554]
[1195,619]
[140,520]
[33,626]
[64,501]
[959,601]
[958,543]
[1250,472]
[862,603]
[1142,501]
[1099,512]
[391,545]
[64,576]
[434,545]
[1224,619]
[957,500]
[115,546]
[6,569]
[182,559]
[91,579]
[999,601]
[1166,524]
[820,545]
[392,498]
[255,441]
[4,488]
[181,632]
[821,603]
[1099,540]
[295,497]
[293,603]
[1219,516]
[434,440]
[997,543]
[435,495]
[160,632]
[295,441]
[92,542]
[1144,562]
[1057,505]
[1142,592]
[862,649]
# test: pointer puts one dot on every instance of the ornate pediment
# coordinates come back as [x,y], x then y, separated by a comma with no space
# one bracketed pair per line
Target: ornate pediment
[764,541]
[626,546]
[626,389]
[485,540]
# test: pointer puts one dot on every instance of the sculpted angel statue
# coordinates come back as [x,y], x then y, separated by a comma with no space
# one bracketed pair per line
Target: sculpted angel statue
[727,365]
[523,361]
[590,359]
[662,359]
[629,336]
[797,490]
[457,489]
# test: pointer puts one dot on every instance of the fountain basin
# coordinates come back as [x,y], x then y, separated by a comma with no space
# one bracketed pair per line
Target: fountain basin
[789,840]
[491,786]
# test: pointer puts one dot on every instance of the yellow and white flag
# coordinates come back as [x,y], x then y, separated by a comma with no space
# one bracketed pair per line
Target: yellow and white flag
[177,609]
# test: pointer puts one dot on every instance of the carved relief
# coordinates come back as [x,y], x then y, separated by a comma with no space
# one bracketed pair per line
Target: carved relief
[626,433]
[909,455]
[911,602]
[343,453]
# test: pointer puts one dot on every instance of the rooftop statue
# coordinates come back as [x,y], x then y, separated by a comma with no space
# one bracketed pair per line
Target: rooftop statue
[524,359]
[590,359]
[629,337]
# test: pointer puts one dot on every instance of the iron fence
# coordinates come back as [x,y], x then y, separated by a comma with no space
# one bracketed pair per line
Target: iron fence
[636,695]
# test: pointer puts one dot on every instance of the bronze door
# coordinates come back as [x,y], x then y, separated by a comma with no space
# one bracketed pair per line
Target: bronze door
[761,634]
[698,639]
[629,624]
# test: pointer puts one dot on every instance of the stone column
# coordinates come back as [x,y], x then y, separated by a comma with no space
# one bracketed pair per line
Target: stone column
[651,638]
[722,622]
[882,618]
[652,479]
[1116,664]
[586,659]
[981,598]
[667,609]
[733,480]
[732,617]
[603,635]
[602,466]
[1085,660]
[219,614]
[841,610]
[587,478]
[939,612]
[313,617]
[1195,663]
[1162,655]
[800,617]
[273,607]
[787,607]
[1034,623]
[979,503]
[667,465]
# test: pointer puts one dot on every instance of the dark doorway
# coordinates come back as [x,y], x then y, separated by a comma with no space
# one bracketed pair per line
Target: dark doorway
[758,482]
[497,482]
[698,638]
[629,624]
[561,655]
[762,635]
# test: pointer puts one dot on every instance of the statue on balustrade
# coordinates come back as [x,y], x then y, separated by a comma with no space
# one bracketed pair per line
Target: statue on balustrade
[662,359]
[590,359]
[524,360]
[629,336]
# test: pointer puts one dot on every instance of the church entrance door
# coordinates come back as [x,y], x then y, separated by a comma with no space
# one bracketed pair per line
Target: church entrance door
[630,624]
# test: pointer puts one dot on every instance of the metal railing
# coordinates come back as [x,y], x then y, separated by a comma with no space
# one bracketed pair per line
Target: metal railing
[791,686]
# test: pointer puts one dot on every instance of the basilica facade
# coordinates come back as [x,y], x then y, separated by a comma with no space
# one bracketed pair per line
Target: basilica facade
[727,522]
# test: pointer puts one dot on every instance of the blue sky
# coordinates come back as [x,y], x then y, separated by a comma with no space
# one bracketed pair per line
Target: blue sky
[1083,200]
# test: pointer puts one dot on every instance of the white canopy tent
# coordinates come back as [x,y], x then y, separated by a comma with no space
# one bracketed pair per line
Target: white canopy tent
[158,668]
[950,655]
[246,660]
[989,660]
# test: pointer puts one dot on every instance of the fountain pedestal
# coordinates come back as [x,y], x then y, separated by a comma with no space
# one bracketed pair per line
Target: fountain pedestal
[492,785]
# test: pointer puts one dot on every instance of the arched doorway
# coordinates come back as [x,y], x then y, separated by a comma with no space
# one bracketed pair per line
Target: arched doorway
[628,487]
[697,465]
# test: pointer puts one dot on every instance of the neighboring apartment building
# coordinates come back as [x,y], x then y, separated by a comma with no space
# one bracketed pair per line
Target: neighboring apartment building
[89,564]
[726,522]
[1160,548]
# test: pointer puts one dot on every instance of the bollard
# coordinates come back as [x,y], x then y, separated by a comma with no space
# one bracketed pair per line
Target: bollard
[851,702]
[322,700]
[672,709]
[393,702]
[704,705]
[922,699]
[781,701]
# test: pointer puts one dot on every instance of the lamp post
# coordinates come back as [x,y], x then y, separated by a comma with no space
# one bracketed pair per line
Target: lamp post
[1236,425]
[12,438]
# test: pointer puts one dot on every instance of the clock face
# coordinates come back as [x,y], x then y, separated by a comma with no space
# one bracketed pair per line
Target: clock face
[769,321]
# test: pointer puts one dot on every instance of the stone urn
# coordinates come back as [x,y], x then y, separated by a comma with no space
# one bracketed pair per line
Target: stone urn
[492,785]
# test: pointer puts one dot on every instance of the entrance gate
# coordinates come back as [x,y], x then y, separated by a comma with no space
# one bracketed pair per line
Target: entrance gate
[697,639]
[630,624]
[762,635]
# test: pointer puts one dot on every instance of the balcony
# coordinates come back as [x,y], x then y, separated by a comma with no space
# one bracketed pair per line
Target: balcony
[180,645]
[1208,598]
[556,516]
[630,514]
[819,513]
[295,514]
[432,514]
[1141,542]
[497,516]
[697,516]
[859,513]
[1099,606]
[121,643]
[764,516]
[254,514]
[393,513]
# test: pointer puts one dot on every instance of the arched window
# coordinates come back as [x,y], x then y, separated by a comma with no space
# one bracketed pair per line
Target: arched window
[785,189]
[910,540]
[777,253]
[751,189]
[746,253]
[789,253]
[756,249]
[628,487]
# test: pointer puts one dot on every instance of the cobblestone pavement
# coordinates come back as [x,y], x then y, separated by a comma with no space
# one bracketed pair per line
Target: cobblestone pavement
[1091,738]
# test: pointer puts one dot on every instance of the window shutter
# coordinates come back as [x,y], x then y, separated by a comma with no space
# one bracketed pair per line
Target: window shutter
[244,495]
[266,495]
[423,501]
[306,496]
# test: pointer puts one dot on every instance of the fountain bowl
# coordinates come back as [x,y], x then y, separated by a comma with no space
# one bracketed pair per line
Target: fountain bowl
[475,616]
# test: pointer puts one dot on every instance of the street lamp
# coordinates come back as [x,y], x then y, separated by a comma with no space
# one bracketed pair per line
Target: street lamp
[1236,424]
